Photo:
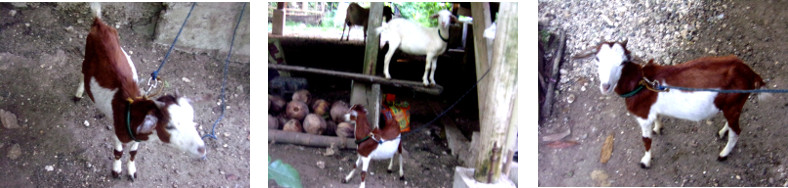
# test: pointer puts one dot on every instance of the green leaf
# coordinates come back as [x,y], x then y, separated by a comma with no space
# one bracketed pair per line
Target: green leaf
[284,174]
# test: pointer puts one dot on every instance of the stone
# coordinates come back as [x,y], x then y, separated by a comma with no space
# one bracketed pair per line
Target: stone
[14,152]
[8,119]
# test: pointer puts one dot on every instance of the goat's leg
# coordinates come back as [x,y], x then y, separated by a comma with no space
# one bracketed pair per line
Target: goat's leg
[733,132]
[133,168]
[401,173]
[116,164]
[355,165]
[365,33]
[394,42]
[724,130]
[645,127]
[391,164]
[429,60]
[80,88]
[343,31]
[657,126]
[364,167]
[432,72]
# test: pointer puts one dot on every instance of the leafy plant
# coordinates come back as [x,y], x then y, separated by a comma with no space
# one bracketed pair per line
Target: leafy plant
[284,174]
[421,11]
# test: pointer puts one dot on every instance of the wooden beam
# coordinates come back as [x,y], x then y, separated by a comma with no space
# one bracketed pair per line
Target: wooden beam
[497,122]
[417,86]
[311,140]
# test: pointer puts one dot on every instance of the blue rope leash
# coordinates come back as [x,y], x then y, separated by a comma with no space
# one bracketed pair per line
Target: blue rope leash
[664,88]
[224,80]
[154,74]
[450,107]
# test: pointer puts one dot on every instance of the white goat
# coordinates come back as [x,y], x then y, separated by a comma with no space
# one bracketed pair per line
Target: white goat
[415,39]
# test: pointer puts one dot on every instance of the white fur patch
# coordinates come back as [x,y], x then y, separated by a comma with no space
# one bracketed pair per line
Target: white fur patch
[131,64]
[385,150]
[693,106]
[102,97]
[609,65]
[184,136]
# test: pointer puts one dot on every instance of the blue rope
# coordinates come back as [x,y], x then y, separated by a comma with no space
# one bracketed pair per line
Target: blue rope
[450,107]
[154,74]
[224,80]
[663,88]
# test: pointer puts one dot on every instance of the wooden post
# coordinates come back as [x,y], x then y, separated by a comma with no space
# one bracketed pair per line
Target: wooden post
[362,93]
[481,14]
[278,23]
[497,119]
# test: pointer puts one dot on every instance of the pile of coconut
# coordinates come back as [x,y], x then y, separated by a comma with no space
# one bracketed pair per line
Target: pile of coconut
[317,119]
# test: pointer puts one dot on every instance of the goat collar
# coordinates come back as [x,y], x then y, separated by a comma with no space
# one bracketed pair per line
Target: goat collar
[128,121]
[365,139]
[633,92]
[439,35]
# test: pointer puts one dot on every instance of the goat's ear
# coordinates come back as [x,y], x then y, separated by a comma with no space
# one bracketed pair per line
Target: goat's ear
[148,125]
[159,104]
[434,16]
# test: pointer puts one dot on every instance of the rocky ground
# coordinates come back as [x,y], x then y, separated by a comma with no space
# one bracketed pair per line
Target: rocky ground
[670,32]
[62,143]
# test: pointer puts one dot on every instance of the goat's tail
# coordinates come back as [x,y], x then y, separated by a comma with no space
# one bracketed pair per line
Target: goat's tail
[765,96]
[95,9]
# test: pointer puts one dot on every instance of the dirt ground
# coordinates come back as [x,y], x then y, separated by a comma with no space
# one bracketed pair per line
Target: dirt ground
[40,63]
[686,152]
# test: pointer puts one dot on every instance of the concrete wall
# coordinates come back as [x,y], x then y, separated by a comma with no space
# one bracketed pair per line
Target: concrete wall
[210,26]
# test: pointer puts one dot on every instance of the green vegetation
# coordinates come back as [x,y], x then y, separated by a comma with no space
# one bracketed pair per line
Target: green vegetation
[419,12]
[284,174]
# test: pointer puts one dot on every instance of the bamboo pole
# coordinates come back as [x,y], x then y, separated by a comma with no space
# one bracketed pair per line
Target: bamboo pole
[497,118]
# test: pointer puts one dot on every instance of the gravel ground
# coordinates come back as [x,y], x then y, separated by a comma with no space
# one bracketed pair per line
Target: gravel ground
[669,32]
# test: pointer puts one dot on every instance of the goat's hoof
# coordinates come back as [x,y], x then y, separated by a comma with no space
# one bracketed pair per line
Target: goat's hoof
[402,178]
[389,171]
[721,158]
[643,166]
[76,99]
[432,85]
[116,175]
[344,181]
[132,177]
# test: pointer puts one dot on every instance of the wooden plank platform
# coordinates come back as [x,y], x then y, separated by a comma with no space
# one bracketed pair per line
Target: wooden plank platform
[417,86]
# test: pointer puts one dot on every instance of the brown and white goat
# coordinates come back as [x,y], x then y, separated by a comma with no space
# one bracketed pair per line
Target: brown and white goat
[357,15]
[374,143]
[618,73]
[111,81]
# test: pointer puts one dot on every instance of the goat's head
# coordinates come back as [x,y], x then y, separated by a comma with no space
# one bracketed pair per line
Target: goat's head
[176,125]
[354,111]
[610,59]
[444,18]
